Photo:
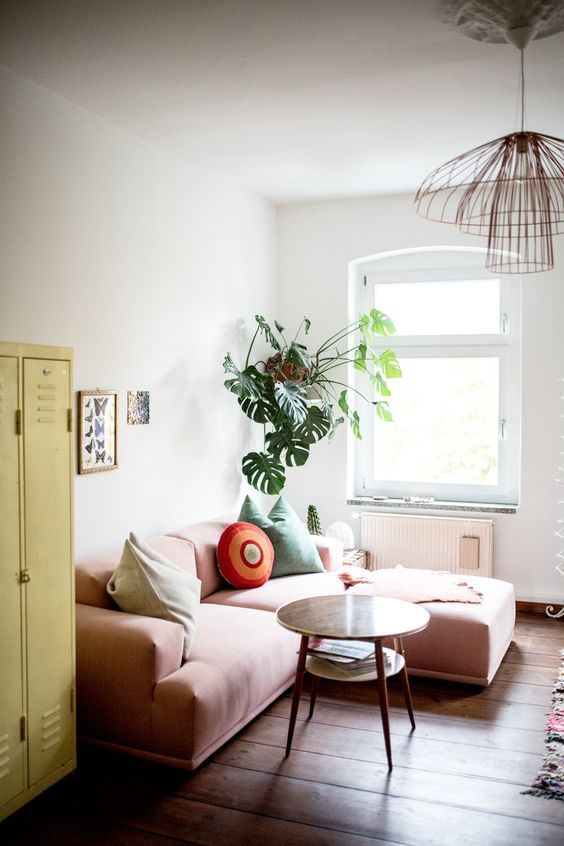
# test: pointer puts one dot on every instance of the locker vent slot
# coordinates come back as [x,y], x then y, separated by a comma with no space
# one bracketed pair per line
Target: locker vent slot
[51,728]
[4,756]
[47,394]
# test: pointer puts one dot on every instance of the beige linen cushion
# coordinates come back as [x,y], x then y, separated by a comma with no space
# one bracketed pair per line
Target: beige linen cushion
[147,583]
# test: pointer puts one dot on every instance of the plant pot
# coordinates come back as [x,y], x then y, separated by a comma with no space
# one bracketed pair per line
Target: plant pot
[283,371]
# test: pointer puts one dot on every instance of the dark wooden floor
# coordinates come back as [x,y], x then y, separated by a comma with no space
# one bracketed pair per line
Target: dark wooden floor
[456,780]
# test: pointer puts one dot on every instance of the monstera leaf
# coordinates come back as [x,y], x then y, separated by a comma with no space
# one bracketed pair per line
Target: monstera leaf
[264,472]
[380,323]
[352,416]
[316,425]
[383,411]
[379,385]
[286,442]
[388,363]
[265,329]
[247,383]
[360,357]
[298,356]
[343,403]
[291,399]
[334,426]
[260,410]
[264,409]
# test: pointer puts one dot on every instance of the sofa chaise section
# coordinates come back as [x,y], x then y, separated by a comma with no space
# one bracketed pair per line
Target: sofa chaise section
[465,642]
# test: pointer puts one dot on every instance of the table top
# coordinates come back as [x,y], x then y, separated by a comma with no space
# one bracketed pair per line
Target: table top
[354,617]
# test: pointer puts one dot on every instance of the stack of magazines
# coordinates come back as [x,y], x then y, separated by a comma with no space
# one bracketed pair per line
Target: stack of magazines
[346,657]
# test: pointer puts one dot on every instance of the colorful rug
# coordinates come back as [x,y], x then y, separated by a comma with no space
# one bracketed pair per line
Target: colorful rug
[550,780]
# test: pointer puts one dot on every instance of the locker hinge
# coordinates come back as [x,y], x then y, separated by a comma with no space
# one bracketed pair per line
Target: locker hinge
[23,727]
[18,421]
[69,419]
[73,700]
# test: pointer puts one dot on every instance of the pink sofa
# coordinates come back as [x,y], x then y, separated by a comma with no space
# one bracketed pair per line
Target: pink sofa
[136,695]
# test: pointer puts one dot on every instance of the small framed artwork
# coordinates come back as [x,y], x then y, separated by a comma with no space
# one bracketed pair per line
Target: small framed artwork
[97,431]
[138,407]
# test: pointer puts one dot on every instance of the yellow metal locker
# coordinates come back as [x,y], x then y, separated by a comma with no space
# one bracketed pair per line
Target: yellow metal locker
[36,566]
[12,750]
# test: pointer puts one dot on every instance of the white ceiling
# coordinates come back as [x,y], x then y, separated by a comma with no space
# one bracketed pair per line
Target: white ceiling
[296,99]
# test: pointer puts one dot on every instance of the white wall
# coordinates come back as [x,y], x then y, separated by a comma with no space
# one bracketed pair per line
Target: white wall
[315,243]
[144,265]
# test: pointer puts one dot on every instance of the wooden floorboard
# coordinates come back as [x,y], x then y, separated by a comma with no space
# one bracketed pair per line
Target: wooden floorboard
[515,655]
[489,794]
[525,624]
[457,779]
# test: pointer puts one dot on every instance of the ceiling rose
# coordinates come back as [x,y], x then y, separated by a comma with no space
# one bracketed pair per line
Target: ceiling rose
[491,20]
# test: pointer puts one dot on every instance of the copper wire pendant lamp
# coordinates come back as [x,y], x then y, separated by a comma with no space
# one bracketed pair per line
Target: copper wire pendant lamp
[510,189]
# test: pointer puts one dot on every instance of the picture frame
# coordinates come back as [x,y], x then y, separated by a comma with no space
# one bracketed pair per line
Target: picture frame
[138,408]
[97,431]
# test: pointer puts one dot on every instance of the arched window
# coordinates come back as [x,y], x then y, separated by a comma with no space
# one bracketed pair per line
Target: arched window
[455,434]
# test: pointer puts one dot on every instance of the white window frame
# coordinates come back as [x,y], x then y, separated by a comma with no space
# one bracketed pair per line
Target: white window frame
[505,345]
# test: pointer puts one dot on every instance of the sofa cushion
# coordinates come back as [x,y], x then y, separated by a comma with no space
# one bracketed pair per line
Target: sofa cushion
[147,583]
[245,555]
[93,573]
[203,538]
[276,592]
[294,550]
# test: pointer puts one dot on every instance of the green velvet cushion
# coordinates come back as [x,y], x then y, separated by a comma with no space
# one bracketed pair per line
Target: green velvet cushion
[294,550]
[147,583]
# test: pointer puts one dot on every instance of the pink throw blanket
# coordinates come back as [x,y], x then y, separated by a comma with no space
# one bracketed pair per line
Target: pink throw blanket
[410,585]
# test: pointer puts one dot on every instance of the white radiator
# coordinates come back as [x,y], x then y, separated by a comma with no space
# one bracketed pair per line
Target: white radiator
[428,543]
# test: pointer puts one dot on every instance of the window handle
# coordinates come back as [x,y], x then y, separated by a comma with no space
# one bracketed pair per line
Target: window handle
[504,324]
[502,428]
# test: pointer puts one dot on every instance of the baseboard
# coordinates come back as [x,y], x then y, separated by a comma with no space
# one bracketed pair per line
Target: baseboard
[536,607]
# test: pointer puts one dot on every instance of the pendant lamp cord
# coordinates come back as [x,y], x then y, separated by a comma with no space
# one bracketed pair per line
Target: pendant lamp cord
[522,51]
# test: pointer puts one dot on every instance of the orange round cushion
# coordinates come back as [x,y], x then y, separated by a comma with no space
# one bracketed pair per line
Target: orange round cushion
[245,555]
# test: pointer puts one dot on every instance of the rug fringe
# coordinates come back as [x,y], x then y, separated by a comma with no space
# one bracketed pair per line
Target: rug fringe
[539,791]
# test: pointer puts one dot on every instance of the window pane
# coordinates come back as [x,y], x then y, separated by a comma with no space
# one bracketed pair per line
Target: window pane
[445,426]
[471,307]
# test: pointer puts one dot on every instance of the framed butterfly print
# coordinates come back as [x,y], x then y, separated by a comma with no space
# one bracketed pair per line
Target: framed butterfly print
[97,431]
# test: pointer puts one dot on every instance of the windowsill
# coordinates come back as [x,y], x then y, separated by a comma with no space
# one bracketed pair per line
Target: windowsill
[433,505]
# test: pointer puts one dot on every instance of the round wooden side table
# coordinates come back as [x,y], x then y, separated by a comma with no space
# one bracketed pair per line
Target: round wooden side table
[350,617]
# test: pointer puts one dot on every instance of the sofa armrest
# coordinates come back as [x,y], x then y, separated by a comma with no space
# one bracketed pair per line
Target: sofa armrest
[330,551]
[119,659]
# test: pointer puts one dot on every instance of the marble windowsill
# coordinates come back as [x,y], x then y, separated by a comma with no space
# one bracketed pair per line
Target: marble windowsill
[432,505]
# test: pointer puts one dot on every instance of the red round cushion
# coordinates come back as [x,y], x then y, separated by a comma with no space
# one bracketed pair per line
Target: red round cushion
[245,555]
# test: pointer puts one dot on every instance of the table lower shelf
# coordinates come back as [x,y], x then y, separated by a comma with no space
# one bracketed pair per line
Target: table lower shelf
[320,667]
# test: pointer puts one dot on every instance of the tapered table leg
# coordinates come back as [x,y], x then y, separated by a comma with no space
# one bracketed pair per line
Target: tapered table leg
[383,693]
[398,646]
[300,667]
[314,689]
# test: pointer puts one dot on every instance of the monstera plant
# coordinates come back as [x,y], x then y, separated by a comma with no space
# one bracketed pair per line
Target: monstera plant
[294,392]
